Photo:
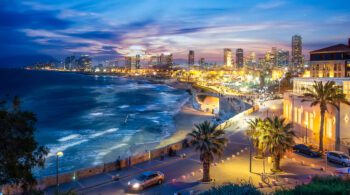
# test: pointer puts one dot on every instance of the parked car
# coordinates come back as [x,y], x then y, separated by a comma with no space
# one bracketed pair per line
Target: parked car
[146,179]
[339,158]
[304,149]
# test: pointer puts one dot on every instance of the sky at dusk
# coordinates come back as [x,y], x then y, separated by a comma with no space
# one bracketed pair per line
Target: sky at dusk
[113,28]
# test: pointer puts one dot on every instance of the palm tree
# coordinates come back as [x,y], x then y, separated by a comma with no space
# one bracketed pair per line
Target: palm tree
[210,142]
[323,95]
[255,131]
[278,138]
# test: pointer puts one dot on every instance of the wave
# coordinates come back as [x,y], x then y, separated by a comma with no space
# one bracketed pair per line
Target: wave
[54,150]
[124,106]
[96,113]
[103,132]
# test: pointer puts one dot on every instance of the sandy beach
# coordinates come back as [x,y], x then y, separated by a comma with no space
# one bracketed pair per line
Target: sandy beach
[184,122]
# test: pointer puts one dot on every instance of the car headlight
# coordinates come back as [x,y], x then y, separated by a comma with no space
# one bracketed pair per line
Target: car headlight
[136,186]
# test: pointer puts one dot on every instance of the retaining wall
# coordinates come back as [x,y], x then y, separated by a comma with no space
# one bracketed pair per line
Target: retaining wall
[91,171]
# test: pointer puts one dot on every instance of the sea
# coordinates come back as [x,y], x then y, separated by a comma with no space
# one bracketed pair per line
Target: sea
[93,119]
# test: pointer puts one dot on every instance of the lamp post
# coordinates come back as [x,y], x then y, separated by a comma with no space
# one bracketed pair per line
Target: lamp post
[58,154]
[250,155]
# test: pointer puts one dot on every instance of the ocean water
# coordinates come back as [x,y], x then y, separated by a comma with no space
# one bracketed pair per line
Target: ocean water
[93,119]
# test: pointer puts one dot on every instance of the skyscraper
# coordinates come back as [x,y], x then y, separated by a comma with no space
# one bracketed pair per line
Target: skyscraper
[191,58]
[133,62]
[239,58]
[227,57]
[282,58]
[201,61]
[84,62]
[251,59]
[166,59]
[69,63]
[297,51]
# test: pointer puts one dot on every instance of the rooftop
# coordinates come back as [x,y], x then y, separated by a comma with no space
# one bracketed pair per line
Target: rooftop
[334,48]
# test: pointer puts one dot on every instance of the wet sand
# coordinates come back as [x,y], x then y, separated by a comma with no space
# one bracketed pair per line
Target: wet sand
[184,123]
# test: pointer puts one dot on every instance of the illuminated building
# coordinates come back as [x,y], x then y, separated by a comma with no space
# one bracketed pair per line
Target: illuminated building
[154,61]
[269,59]
[201,62]
[227,57]
[281,58]
[166,59]
[297,51]
[69,63]
[333,61]
[190,58]
[306,119]
[133,62]
[84,63]
[239,58]
[251,60]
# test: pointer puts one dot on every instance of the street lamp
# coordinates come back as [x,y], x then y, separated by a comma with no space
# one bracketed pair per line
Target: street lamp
[58,154]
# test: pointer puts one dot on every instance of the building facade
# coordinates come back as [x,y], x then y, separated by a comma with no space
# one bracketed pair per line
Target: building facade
[133,62]
[227,57]
[306,118]
[191,58]
[239,58]
[84,63]
[297,51]
[333,61]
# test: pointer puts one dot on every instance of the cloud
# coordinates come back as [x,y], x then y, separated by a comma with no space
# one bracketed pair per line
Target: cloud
[23,18]
[270,4]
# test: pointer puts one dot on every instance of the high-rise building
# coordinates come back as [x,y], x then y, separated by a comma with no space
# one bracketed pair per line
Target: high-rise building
[191,58]
[251,60]
[282,58]
[297,51]
[154,61]
[227,57]
[133,62]
[201,61]
[166,59]
[239,58]
[69,63]
[84,63]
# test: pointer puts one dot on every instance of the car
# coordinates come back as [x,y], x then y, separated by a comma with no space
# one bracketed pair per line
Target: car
[146,179]
[304,149]
[339,158]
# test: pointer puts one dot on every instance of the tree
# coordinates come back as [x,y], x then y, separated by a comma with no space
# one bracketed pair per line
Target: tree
[286,83]
[210,142]
[19,152]
[255,132]
[323,95]
[278,137]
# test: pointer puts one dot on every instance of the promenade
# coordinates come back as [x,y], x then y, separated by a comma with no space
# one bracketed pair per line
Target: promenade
[183,174]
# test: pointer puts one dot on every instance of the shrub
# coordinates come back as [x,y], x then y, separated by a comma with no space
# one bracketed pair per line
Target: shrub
[321,185]
[237,189]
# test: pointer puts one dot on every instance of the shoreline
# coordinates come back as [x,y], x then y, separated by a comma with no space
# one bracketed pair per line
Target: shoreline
[183,120]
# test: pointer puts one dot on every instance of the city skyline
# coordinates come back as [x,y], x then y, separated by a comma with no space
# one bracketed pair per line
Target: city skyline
[113,29]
